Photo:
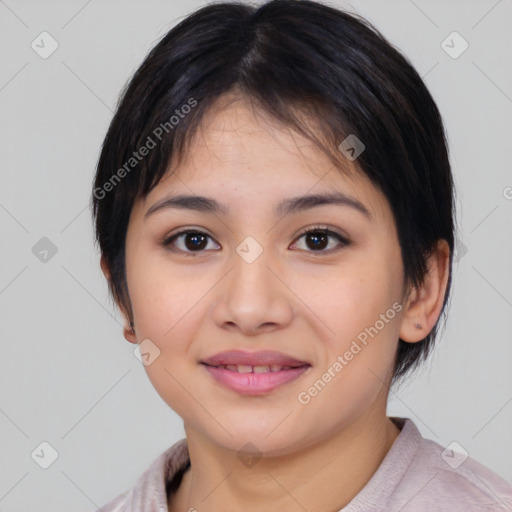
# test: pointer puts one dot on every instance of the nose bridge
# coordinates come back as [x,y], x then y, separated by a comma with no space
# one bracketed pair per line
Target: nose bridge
[250,273]
[251,296]
[250,269]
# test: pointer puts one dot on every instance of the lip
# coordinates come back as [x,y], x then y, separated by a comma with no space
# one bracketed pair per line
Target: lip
[260,358]
[254,383]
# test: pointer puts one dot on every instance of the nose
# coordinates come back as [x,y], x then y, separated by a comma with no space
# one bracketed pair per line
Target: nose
[252,299]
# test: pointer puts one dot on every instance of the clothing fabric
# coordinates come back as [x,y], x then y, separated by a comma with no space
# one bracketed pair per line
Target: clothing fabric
[416,475]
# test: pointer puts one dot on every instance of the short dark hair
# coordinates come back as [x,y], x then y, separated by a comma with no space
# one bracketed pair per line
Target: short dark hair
[289,58]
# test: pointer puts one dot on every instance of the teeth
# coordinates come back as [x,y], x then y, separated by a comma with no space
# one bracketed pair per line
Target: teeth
[261,369]
[243,368]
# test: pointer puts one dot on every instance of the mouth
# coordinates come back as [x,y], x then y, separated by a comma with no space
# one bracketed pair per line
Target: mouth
[243,368]
[254,373]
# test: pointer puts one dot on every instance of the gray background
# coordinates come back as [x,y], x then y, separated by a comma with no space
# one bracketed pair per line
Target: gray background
[69,378]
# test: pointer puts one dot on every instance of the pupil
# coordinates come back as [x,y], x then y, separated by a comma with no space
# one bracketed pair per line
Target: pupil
[319,240]
[194,241]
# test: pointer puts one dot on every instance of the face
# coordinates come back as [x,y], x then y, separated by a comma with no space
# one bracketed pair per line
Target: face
[318,281]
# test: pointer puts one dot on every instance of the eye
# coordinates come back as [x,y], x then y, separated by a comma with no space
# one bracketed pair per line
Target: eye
[320,239]
[190,240]
[317,239]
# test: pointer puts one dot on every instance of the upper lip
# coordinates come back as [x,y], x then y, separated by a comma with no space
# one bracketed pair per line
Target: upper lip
[260,358]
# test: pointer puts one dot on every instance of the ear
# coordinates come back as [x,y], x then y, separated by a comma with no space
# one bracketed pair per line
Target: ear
[424,304]
[127,332]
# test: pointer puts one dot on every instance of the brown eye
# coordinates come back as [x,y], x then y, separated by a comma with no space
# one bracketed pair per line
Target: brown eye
[189,241]
[321,240]
[317,240]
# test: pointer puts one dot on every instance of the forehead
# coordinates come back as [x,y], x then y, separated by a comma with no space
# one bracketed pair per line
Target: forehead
[241,151]
[236,131]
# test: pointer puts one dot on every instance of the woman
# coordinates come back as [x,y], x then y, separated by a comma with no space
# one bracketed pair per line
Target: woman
[274,208]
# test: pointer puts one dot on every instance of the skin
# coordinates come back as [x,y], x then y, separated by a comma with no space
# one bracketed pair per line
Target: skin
[308,304]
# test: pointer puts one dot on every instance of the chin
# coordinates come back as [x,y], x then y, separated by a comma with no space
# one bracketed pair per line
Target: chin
[271,436]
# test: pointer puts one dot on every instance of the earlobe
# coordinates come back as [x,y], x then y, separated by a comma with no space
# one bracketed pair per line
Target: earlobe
[128,331]
[129,334]
[425,302]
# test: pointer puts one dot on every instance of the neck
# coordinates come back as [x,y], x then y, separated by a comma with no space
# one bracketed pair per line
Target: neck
[340,465]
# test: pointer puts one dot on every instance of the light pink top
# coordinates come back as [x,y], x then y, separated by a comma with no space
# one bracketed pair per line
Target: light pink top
[417,475]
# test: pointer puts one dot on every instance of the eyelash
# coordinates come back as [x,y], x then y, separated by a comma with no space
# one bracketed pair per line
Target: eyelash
[314,230]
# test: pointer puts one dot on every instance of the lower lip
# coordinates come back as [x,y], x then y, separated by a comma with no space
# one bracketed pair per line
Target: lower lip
[254,383]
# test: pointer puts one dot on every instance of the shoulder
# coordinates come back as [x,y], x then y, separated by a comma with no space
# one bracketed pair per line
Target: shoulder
[115,505]
[149,492]
[448,479]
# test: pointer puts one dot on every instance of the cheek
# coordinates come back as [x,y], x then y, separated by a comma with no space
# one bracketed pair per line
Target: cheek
[168,319]
[159,293]
[360,306]
[168,309]
[351,300]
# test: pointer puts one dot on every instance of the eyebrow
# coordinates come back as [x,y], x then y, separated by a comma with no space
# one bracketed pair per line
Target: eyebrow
[292,205]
